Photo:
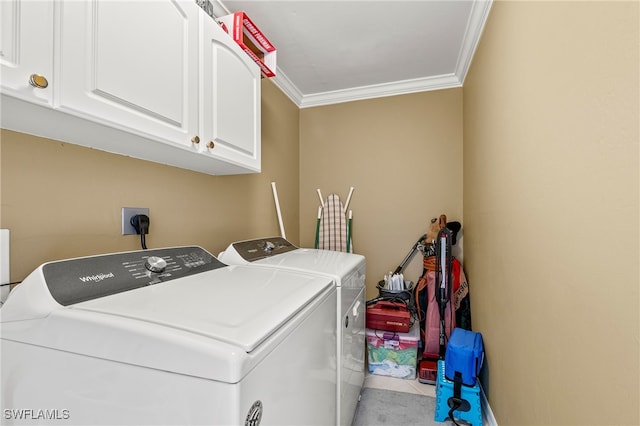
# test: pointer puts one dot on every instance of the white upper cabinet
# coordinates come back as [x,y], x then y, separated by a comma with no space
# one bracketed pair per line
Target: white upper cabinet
[155,80]
[229,98]
[133,64]
[26,50]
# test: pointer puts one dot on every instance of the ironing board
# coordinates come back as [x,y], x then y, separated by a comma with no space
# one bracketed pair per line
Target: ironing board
[333,225]
[333,229]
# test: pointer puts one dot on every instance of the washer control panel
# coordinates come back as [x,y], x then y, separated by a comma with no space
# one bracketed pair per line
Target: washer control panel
[261,248]
[77,280]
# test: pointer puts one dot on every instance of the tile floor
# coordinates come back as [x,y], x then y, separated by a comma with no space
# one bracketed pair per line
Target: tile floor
[399,385]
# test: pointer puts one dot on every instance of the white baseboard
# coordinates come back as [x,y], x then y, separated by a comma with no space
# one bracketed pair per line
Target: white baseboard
[488,419]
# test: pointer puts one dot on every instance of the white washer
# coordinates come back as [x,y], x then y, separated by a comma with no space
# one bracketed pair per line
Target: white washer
[348,272]
[168,336]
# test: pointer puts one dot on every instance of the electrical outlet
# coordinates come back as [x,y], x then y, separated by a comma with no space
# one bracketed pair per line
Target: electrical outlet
[127,214]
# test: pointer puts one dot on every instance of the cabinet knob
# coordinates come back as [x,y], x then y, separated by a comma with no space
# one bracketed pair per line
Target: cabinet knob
[195,139]
[38,81]
[211,145]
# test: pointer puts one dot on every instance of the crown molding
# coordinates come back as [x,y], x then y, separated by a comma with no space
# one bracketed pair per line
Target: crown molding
[477,19]
[381,90]
[287,87]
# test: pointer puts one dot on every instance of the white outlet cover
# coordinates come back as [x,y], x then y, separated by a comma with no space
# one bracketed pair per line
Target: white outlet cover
[127,213]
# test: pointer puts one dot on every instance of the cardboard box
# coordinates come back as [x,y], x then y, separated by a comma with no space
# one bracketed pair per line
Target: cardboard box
[393,354]
[249,37]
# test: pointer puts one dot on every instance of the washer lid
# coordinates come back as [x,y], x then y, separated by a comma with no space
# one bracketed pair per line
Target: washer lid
[331,263]
[238,305]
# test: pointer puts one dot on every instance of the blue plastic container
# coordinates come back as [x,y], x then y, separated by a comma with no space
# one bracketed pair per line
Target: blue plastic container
[465,353]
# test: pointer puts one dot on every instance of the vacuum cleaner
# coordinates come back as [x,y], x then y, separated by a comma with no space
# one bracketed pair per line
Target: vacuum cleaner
[440,316]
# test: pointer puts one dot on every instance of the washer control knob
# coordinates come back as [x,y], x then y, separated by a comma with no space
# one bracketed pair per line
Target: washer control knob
[155,264]
[268,246]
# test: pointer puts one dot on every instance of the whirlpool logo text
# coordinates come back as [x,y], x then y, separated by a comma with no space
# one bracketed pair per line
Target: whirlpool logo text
[96,278]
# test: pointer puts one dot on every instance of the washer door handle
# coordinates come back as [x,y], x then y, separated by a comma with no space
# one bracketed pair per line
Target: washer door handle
[356,309]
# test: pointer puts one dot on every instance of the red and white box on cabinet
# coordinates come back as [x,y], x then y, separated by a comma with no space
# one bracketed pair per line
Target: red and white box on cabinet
[253,41]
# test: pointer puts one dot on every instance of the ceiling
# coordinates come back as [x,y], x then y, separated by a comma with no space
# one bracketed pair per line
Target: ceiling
[334,51]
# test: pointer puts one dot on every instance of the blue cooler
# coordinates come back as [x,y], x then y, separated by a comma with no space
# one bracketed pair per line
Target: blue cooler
[465,354]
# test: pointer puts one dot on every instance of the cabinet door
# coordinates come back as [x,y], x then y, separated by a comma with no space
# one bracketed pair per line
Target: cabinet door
[132,65]
[26,49]
[230,99]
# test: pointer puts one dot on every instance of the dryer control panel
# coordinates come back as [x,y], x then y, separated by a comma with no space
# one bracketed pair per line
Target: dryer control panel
[261,248]
[78,280]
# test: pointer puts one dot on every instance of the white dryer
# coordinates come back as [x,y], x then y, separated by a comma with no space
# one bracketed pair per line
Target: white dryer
[347,270]
[168,336]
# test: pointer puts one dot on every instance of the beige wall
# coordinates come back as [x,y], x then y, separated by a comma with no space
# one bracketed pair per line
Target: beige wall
[61,200]
[403,157]
[551,107]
